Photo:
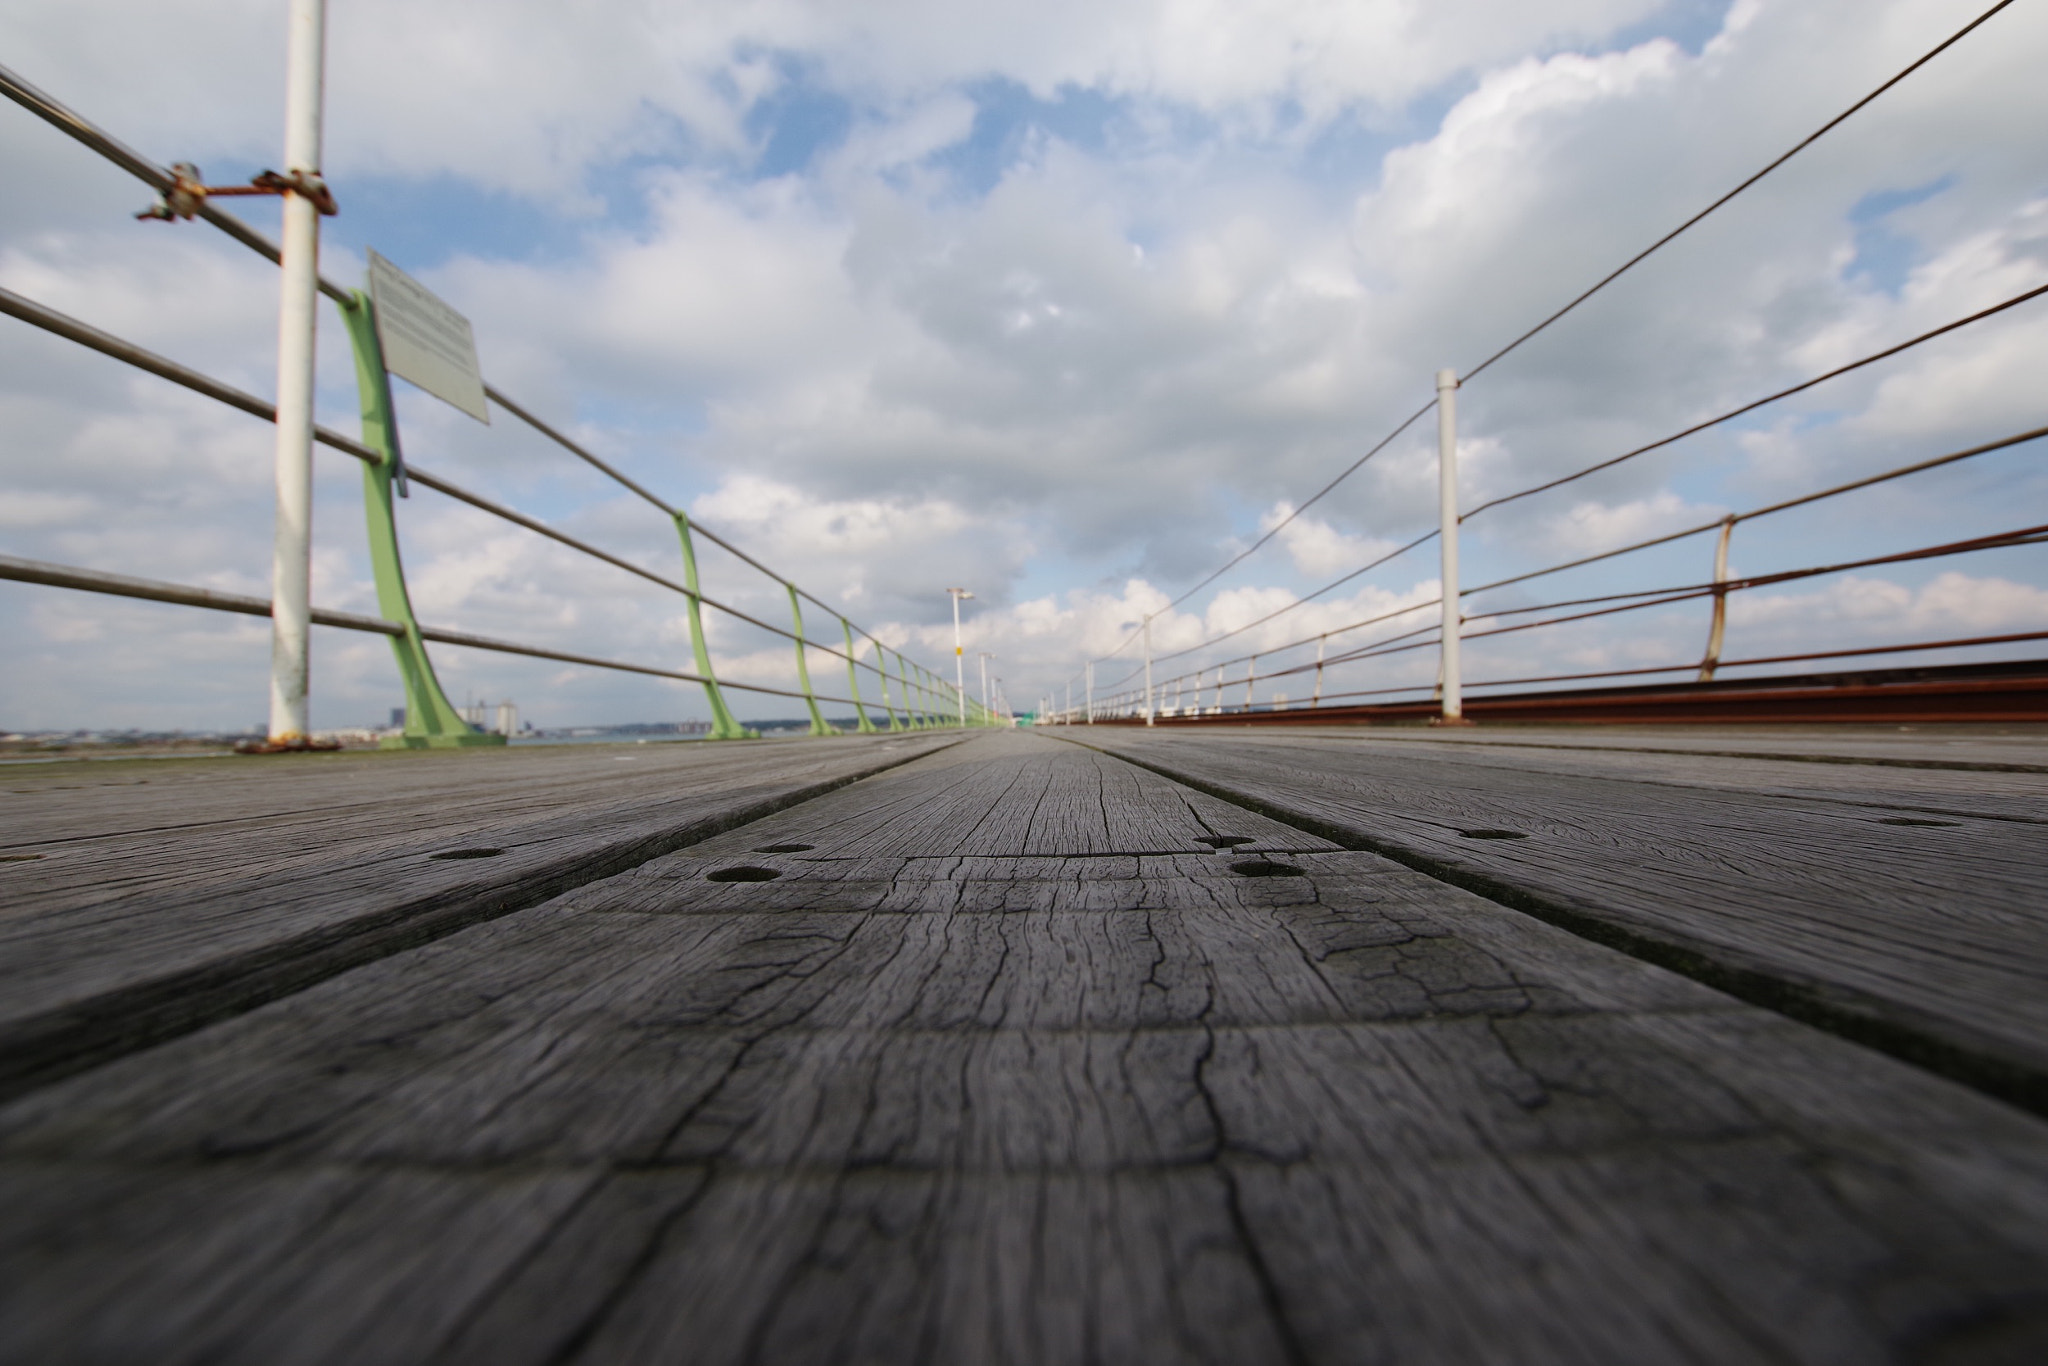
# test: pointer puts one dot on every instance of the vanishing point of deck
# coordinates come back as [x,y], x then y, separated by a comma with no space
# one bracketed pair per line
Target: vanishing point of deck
[1232,1045]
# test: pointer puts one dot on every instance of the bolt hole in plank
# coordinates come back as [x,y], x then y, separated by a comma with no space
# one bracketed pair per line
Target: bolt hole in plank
[742,874]
[1493,834]
[469,853]
[784,848]
[1259,867]
[1916,820]
[1223,841]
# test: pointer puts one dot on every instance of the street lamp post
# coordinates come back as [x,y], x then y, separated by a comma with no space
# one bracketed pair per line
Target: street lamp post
[986,704]
[959,662]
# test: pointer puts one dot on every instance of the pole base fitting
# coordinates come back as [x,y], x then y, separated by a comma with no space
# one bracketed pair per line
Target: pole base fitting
[301,745]
[1452,721]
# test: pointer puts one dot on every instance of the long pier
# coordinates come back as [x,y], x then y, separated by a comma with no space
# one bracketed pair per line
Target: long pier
[1103,1044]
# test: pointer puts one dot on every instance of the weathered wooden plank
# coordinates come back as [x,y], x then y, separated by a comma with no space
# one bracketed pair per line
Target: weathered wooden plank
[1010,1105]
[1930,774]
[887,1266]
[121,934]
[1928,939]
[1964,746]
[229,1263]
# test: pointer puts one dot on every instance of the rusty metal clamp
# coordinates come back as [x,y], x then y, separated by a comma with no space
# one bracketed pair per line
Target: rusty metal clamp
[188,193]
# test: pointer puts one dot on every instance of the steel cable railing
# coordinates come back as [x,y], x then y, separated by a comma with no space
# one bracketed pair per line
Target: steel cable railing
[1585,295]
[924,697]
[1659,444]
[50,320]
[1639,599]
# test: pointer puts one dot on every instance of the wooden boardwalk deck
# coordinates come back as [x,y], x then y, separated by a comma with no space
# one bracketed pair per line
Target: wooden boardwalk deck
[1192,1046]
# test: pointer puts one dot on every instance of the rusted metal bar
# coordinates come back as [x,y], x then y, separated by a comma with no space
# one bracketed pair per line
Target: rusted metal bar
[1719,626]
[187,195]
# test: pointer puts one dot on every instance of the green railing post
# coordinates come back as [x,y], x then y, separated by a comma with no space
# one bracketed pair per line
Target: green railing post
[912,717]
[723,727]
[803,667]
[867,727]
[431,720]
[882,668]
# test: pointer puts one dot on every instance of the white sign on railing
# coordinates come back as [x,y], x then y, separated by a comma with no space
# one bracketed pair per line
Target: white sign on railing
[426,341]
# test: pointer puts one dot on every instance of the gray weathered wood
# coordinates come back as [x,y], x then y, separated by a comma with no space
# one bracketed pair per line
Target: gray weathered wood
[1795,887]
[1047,1082]
[164,894]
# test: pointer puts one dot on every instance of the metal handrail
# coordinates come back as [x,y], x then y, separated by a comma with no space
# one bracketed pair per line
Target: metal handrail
[1694,429]
[1405,642]
[63,325]
[19,570]
[159,178]
[106,343]
[154,590]
[1861,652]
[1867,481]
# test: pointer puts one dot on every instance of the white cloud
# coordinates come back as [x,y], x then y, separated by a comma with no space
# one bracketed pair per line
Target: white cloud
[1068,382]
[1953,604]
[1591,528]
[1317,548]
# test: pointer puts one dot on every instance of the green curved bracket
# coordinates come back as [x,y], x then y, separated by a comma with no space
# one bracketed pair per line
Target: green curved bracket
[723,726]
[882,668]
[431,720]
[803,667]
[867,727]
[902,687]
[913,693]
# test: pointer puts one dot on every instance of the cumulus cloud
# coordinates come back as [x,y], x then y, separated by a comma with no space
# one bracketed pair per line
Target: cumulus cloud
[1051,301]
[1317,548]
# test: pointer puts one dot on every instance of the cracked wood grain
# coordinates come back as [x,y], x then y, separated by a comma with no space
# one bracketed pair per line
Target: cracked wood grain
[227,886]
[981,1098]
[1862,907]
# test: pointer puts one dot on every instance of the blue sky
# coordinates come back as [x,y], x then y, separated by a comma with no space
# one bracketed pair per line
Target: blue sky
[1066,302]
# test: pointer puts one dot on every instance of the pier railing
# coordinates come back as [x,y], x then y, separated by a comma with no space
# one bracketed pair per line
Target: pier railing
[904,694]
[1228,687]
[1198,684]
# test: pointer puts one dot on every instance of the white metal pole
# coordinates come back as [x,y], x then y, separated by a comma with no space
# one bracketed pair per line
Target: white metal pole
[292,549]
[1148,671]
[1447,512]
